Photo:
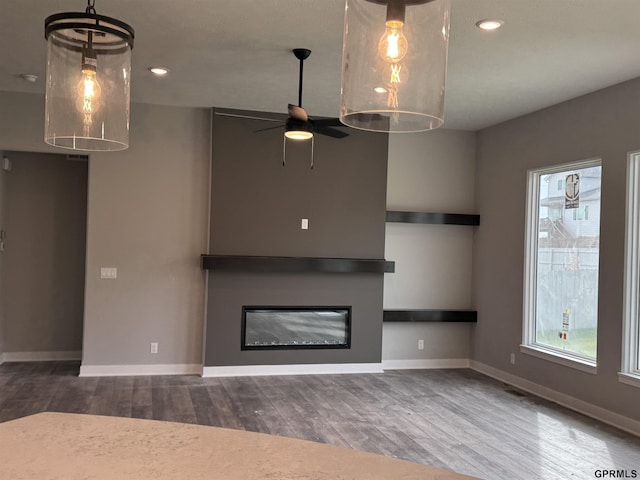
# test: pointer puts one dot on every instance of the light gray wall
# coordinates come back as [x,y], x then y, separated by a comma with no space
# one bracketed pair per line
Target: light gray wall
[257,206]
[147,215]
[22,123]
[44,257]
[604,124]
[148,218]
[429,172]
[22,129]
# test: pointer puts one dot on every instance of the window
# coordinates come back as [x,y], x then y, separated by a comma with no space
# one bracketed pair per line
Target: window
[581,213]
[561,264]
[631,332]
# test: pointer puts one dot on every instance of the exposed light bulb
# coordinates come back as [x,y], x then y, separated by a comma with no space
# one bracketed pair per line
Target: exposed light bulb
[393,45]
[392,48]
[88,90]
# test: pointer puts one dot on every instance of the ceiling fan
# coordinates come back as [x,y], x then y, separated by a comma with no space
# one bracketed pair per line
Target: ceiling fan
[298,125]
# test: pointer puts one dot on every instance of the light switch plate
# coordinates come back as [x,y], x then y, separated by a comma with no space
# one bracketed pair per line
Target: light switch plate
[304,224]
[108,272]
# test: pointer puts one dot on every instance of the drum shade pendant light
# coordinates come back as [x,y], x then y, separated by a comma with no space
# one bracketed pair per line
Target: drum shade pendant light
[88,81]
[394,64]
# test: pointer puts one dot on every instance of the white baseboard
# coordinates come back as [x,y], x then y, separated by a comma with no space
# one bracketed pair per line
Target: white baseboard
[135,370]
[426,363]
[606,416]
[310,369]
[40,356]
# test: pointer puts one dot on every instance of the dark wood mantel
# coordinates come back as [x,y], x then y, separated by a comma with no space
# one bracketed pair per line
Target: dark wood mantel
[296,264]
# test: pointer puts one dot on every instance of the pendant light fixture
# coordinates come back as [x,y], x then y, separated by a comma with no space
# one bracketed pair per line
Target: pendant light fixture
[394,64]
[88,81]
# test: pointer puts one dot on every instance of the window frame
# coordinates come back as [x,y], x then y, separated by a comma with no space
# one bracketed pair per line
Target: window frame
[529,345]
[630,365]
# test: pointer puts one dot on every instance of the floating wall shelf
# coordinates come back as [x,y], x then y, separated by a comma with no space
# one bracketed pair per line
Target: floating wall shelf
[433,218]
[296,264]
[430,316]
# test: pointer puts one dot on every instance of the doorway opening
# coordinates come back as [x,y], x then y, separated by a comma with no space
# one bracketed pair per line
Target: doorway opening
[43,223]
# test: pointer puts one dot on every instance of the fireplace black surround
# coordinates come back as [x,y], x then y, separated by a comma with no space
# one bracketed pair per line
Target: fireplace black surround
[295,328]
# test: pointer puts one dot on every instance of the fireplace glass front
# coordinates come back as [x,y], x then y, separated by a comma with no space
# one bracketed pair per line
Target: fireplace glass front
[285,328]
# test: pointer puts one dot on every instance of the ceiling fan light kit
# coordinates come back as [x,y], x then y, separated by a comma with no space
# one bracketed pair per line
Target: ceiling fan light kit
[296,130]
[394,64]
[87,99]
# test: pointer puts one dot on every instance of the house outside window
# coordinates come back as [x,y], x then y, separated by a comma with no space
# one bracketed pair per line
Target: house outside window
[562,264]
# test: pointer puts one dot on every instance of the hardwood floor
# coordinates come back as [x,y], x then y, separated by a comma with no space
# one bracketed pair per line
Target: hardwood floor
[455,419]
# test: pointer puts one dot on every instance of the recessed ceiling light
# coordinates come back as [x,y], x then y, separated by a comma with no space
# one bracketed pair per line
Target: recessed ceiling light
[29,77]
[159,71]
[380,90]
[490,24]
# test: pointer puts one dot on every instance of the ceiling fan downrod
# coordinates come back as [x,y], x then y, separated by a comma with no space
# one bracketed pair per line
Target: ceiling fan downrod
[301,54]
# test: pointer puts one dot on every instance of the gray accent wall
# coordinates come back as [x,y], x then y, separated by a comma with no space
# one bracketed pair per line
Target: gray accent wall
[44,255]
[256,209]
[430,172]
[604,124]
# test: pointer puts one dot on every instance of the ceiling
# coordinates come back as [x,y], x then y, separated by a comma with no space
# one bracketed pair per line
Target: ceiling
[237,53]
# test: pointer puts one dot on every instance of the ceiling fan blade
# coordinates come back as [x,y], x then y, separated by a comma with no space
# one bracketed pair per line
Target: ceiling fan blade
[327,122]
[268,128]
[235,115]
[298,113]
[331,132]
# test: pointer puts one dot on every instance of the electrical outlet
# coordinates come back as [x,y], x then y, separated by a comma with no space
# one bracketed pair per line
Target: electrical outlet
[420,344]
[154,347]
[512,358]
[304,224]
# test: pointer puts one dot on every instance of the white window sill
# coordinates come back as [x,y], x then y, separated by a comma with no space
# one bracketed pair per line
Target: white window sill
[568,361]
[632,379]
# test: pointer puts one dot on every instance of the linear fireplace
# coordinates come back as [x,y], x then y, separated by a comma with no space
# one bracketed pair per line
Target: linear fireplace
[288,328]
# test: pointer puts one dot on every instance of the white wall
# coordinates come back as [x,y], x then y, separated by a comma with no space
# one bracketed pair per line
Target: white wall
[147,216]
[429,172]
